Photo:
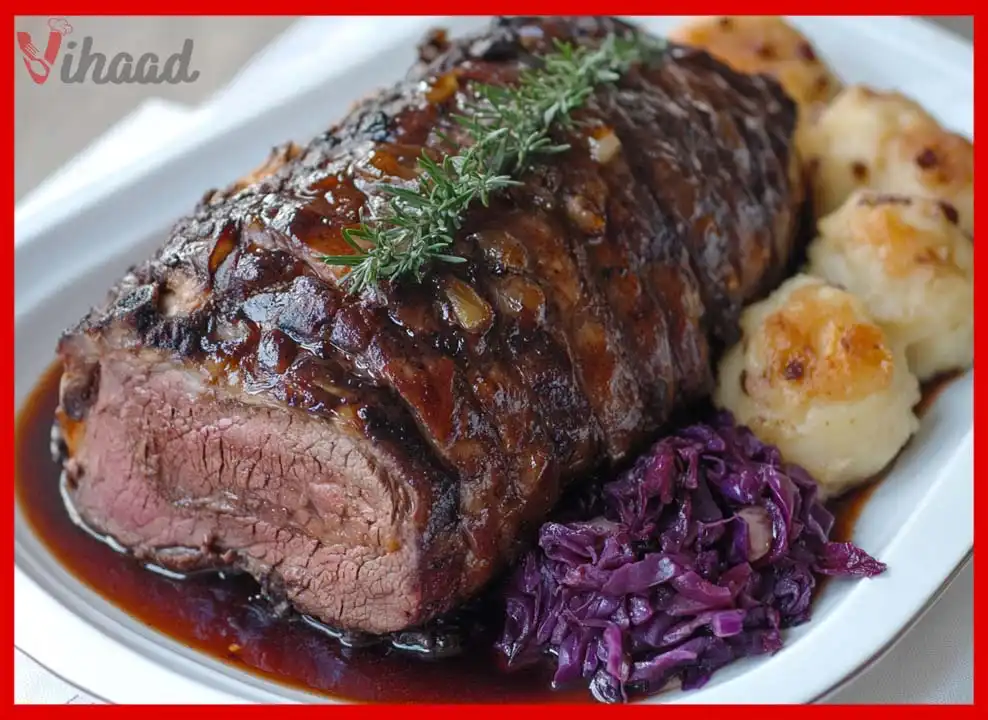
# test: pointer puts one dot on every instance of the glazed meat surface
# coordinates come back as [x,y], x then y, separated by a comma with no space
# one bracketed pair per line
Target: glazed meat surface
[376,459]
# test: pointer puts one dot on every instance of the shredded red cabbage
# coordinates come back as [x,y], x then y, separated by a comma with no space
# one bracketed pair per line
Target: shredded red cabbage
[702,552]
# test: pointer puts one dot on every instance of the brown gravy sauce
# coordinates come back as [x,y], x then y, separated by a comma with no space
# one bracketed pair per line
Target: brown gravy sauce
[226,618]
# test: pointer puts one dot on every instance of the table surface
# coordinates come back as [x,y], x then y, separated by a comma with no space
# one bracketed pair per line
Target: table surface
[55,121]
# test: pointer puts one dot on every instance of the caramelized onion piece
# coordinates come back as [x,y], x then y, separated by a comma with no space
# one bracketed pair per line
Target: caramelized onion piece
[472,313]
[604,145]
[502,249]
[584,216]
[443,88]
[517,295]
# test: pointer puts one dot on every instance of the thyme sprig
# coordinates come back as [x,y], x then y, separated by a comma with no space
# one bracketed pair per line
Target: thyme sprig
[508,128]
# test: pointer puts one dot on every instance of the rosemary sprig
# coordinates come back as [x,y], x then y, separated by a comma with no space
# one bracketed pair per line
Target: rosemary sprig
[508,128]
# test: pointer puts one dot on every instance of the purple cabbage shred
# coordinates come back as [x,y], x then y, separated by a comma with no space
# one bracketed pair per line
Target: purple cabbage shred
[702,552]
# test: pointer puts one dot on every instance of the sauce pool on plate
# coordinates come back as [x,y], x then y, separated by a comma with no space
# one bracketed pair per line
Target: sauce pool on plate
[228,619]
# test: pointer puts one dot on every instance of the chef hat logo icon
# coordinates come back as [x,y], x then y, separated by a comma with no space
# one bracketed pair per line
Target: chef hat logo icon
[59,25]
[39,62]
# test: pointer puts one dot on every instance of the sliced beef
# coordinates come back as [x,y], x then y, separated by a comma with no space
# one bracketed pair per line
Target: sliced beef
[378,458]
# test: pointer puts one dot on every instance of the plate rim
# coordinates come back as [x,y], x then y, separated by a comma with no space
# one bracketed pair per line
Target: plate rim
[882,652]
[822,697]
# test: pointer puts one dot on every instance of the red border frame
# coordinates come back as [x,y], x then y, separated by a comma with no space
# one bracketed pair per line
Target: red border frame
[638,7]
[504,7]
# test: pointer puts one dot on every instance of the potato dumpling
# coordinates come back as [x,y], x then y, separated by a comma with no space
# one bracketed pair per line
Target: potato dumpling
[764,44]
[930,161]
[885,141]
[911,265]
[815,376]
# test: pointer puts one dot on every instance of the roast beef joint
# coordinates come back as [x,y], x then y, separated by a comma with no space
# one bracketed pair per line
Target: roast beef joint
[377,458]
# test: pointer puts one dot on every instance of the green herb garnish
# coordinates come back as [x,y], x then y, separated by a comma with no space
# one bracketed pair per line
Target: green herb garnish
[509,128]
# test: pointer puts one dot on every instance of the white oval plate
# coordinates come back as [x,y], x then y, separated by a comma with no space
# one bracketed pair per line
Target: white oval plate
[919,520]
